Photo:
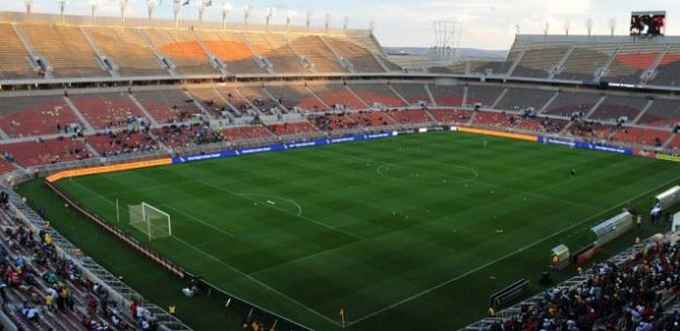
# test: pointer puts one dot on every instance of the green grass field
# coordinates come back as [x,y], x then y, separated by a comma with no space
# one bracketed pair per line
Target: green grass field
[402,233]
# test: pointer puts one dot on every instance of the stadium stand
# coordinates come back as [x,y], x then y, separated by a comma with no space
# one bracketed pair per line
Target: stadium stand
[407,117]
[666,73]
[246,133]
[362,60]
[371,44]
[631,61]
[122,142]
[377,95]
[282,56]
[414,93]
[127,50]
[167,106]
[592,130]
[584,62]
[296,96]
[494,120]
[451,116]
[662,113]
[218,102]
[182,136]
[517,99]
[339,123]
[36,116]
[486,95]
[5,166]
[337,96]
[258,97]
[182,48]
[448,96]
[293,129]
[315,50]
[13,56]
[568,103]
[540,63]
[616,106]
[107,110]
[44,152]
[65,48]
[496,67]
[638,136]
[231,50]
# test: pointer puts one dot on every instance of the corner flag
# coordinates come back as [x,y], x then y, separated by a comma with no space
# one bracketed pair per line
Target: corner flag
[342,316]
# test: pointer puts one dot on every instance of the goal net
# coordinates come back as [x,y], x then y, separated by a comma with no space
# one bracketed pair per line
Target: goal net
[151,221]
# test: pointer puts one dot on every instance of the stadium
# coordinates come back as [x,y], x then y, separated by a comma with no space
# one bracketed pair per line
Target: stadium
[171,174]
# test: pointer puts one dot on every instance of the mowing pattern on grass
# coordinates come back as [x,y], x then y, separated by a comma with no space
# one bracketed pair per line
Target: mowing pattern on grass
[400,232]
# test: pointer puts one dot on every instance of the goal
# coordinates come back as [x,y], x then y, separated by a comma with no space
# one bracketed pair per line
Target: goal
[151,221]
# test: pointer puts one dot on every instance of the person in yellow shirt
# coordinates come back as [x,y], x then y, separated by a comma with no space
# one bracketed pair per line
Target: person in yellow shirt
[172,310]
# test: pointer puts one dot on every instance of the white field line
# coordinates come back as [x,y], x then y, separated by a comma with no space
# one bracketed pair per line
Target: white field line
[259,282]
[280,209]
[249,277]
[222,231]
[504,257]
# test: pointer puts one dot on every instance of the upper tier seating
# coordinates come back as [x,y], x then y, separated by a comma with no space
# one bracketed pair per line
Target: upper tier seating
[486,95]
[13,55]
[232,50]
[123,142]
[315,50]
[293,129]
[539,63]
[649,137]
[337,95]
[127,49]
[410,116]
[35,153]
[182,48]
[413,93]
[259,98]
[517,99]
[108,110]
[584,61]
[631,61]
[377,94]
[451,116]
[663,113]
[495,67]
[448,95]
[65,49]
[368,41]
[568,103]
[34,116]
[282,57]
[615,106]
[362,60]
[247,133]
[167,106]
[299,96]
[214,101]
[668,71]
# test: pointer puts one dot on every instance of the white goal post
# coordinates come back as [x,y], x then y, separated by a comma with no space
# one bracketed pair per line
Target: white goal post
[150,220]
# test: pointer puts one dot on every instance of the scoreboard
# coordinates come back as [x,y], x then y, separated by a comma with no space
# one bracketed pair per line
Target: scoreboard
[648,23]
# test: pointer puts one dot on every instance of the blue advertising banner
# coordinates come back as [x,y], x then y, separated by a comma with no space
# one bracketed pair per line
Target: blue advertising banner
[585,145]
[282,147]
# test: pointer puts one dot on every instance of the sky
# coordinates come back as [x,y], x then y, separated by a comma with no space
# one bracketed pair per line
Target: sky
[487,24]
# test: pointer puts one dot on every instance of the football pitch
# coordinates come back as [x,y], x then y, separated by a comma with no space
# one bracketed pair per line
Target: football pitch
[406,233]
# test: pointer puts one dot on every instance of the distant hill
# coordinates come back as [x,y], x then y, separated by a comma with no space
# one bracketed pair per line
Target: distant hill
[465,53]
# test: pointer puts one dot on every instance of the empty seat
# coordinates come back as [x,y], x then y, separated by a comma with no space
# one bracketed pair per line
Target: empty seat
[232,50]
[128,50]
[107,110]
[167,106]
[615,106]
[315,50]
[337,95]
[377,94]
[361,58]
[663,113]
[36,115]
[517,99]
[14,62]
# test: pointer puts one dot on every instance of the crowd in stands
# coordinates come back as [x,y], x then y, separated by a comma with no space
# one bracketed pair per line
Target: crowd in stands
[628,297]
[42,290]
[188,135]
